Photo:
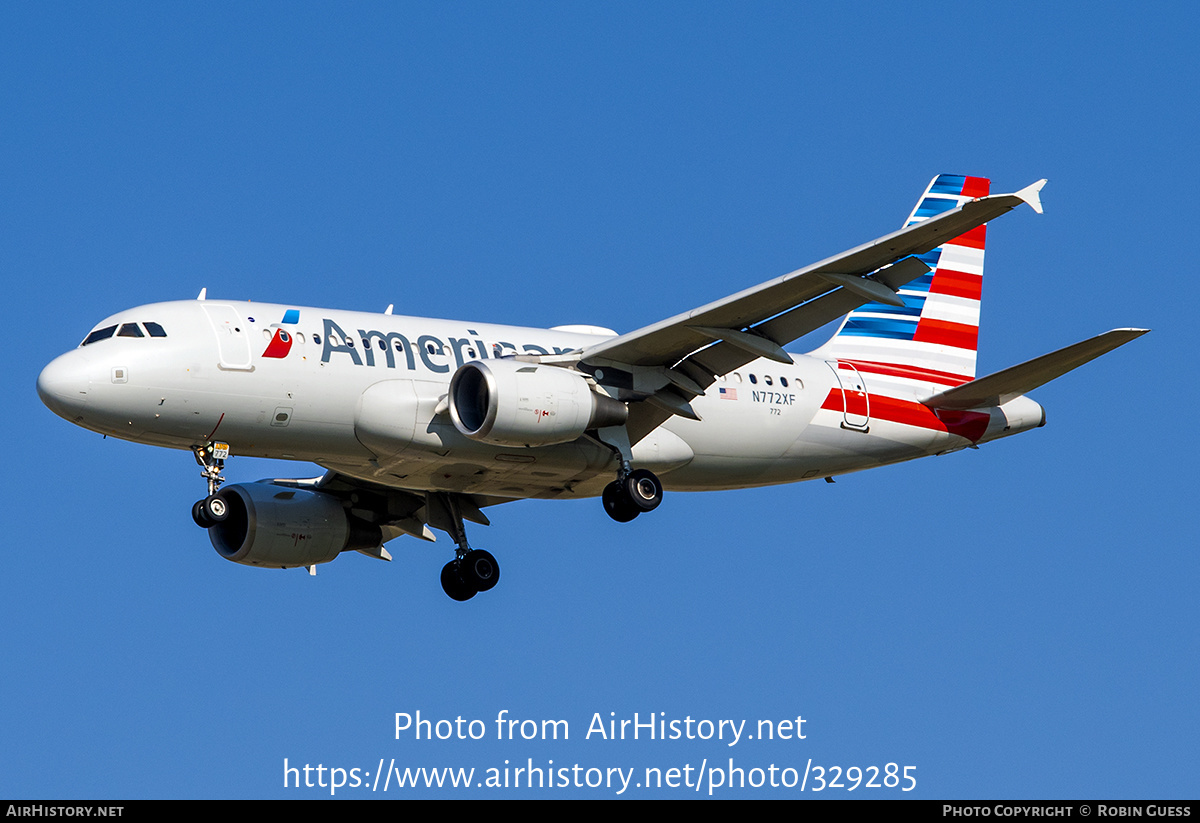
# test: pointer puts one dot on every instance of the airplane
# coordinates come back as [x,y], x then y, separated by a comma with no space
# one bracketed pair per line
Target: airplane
[422,424]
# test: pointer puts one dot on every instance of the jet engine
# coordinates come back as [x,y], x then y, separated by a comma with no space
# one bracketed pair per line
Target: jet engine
[514,403]
[280,527]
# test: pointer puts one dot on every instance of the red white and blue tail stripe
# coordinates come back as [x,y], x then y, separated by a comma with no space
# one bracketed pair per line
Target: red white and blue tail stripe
[932,338]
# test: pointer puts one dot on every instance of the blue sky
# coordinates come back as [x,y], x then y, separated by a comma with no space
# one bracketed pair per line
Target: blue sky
[1018,621]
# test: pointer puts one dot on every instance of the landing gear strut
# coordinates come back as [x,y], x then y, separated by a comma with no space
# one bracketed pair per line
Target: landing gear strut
[472,570]
[635,490]
[211,510]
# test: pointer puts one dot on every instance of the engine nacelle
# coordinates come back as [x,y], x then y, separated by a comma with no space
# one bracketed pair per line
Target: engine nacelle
[513,403]
[281,527]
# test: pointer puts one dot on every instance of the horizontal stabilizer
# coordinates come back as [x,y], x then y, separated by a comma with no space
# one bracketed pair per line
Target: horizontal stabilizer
[997,389]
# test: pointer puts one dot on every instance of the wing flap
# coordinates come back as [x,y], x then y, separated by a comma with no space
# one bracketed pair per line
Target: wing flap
[727,355]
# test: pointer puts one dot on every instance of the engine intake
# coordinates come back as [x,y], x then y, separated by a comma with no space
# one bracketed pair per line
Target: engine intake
[513,403]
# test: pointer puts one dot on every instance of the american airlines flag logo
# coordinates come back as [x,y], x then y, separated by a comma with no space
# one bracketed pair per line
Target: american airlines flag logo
[281,342]
[280,345]
[728,394]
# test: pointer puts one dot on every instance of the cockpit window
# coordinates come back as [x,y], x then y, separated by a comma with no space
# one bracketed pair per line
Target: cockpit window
[99,334]
[126,330]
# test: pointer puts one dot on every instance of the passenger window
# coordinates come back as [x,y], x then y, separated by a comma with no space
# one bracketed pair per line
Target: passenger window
[767,380]
[317,339]
[155,330]
[99,334]
[753,379]
[382,344]
[783,382]
[130,330]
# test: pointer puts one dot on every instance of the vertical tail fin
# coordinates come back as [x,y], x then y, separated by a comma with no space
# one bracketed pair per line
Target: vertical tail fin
[933,337]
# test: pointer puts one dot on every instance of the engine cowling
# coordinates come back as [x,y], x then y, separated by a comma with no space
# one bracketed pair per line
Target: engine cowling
[514,403]
[281,527]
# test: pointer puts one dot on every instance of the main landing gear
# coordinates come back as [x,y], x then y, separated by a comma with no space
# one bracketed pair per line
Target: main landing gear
[632,493]
[635,490]
[211,510]
[472,570]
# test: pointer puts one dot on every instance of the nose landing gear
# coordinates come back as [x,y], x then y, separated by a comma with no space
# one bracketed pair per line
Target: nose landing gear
[211,510]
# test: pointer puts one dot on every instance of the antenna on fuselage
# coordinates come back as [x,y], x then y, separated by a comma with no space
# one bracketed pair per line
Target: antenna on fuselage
[202,294]
[389,308]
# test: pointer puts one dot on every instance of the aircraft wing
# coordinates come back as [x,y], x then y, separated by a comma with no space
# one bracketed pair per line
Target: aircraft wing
[397,510]
[762,318]
[691,349]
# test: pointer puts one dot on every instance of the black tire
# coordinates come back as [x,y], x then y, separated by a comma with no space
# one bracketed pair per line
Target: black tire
[644,490]
[215,508]
[453,584]
[199,515]
[617,503]
[480,571]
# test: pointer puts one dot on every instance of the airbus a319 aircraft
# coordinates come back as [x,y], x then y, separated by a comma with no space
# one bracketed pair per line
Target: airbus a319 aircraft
[423,424]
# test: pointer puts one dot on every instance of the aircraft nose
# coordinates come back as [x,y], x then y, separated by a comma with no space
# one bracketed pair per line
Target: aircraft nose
[63,385]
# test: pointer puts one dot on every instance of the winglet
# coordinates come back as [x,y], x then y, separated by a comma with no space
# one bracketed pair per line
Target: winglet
[203,293]
[1030,195]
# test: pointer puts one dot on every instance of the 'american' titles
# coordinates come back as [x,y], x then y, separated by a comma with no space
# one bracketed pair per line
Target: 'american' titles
[431,351]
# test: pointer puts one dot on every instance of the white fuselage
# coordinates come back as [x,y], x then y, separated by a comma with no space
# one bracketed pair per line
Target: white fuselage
[296,390]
